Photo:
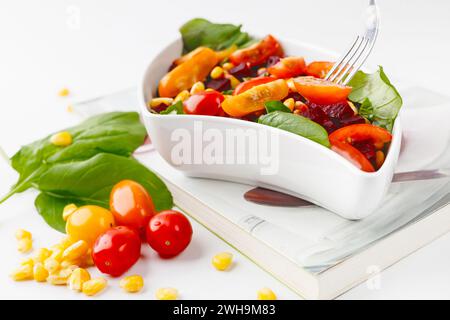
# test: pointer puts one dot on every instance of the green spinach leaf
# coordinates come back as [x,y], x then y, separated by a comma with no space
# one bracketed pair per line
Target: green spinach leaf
[201,32]
[379,100]
[272,106]
[296,124]
[116,132]
[90,182]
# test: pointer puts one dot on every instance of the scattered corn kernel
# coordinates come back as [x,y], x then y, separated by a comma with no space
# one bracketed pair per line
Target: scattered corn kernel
[222,261]
[209,90]
[266,294]
[76,250]
[22,273]
[133,283]
[68,210]
[183,95]
[197,87]
[290,103]
[234,82]
[93,286]
[64,92]
[51,265]
[57,254]
[261,71]
[69,108]
[70,263]
[158,101]
[40,274]
[23,234]
[166,294]
[379,158]
[24,245]
[65,243]
[300,106]
[26,261]
[89,262]
[42,255]
[216,73]
[227,66]
[61,139]
[57,279]
[77,278]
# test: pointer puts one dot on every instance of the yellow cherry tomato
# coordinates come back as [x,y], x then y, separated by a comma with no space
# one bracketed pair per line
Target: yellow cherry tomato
[88,222]
[194,67]
[254,98]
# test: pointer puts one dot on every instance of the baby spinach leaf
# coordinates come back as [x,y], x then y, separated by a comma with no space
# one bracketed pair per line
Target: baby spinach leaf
[272,106]
[90,182]
[379,99]
[296,124]
[176,108]
[201,32]
[116,132]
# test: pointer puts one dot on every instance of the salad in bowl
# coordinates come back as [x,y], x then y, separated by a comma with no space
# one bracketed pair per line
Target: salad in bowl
[334,138]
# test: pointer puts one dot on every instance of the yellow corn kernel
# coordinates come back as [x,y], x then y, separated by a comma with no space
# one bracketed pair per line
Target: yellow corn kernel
[261,71]
[76,250]
[183,95]
[132,283]
[291,85]
[24,245]
[57,254]
[69,108]
[209,90]
[42,255]
[57,279]
[51,265]
[197,87]
[24,272]
[166,294]
[266,294]
[158,101]
[93,286]
[27,261]
[23,234]
[40,274]
[64,92]
[65,243]
[77,278]
[216,73]
[227,66]
[290,103]
[68,210]
[61,139]
[222,261]
[70,263]
[234,82]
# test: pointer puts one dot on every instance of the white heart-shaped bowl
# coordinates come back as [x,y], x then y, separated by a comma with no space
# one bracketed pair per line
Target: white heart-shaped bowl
[285,162]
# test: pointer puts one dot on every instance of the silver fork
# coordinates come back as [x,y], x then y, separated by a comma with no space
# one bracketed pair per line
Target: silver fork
[350,62]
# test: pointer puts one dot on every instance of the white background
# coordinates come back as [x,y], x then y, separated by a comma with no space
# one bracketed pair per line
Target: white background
[43,48]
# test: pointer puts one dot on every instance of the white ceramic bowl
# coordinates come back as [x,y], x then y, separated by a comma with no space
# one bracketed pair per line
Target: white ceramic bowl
[305,169]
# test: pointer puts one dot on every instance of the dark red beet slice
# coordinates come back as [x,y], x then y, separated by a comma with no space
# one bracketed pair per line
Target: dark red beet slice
[221,84]
[366,147]
[241,71]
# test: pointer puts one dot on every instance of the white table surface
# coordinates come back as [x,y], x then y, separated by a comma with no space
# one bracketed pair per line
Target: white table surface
[100,47]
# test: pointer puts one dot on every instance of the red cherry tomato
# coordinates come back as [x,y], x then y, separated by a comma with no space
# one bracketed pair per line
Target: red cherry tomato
[169,233]
[131,205]
[257,53]
[362,132]
[244,86]
[205,103]
[353,155]
[116,250]
[319,69]
[321,91]
[288,67]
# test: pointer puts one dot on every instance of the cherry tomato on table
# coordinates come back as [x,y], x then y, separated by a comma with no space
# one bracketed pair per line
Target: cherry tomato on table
[88,222]
[131,204]
[169,233]
[321,91]
[319,69]
[288,67]
[244,86]
[257,53]
[116,250]
[205,103]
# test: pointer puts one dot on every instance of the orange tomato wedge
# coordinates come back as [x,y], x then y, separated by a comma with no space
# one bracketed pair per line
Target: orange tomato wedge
[254,98]
[321,91]
[319,69]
